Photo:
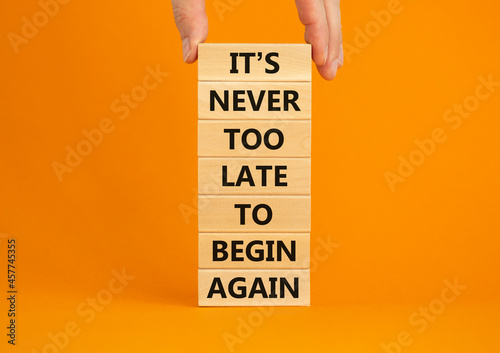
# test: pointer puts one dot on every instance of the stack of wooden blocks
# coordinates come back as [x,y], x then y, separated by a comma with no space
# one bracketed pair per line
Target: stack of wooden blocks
[254,174]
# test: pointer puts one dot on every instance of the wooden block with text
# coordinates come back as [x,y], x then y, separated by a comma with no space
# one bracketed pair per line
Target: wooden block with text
[254,62]
[240,138]
[235,213]
[254,100]
[253,250]
[251,176]
[263,287]
[254,174]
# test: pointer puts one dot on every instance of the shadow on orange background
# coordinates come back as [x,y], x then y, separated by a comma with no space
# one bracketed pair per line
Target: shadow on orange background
[402,222]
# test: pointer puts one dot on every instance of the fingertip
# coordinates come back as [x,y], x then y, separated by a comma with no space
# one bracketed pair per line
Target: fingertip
[335,55]
[313,17]
[191,51]
[335,61]
[325,74]
[341,56]
[334,68]
[329,72]
[315,37]
[186,50]
[325,56]
[319,55]
[192,23]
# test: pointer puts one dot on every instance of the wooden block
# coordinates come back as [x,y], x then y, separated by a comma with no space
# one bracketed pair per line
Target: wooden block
[253,287]
[254,62]
[253,250]
[254,214]
[254,100]
[254,176]
[213,141]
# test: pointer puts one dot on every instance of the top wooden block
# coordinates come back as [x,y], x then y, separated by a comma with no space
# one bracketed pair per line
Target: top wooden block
[254,62]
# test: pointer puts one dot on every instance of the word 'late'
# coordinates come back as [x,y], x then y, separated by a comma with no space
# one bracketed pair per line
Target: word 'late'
[245,175]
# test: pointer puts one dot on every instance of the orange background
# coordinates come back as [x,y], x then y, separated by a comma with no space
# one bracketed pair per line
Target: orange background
[120,207]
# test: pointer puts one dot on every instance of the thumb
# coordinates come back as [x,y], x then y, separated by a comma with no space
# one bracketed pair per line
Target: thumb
[192,23]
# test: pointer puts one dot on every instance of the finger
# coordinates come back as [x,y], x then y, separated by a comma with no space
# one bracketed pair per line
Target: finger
[335,52]
[192,23]
[313,16]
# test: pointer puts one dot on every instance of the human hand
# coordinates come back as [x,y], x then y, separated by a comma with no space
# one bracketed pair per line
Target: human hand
[320,17]
[324,33]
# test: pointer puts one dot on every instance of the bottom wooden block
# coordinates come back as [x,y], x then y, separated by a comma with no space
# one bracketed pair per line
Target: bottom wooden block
[253,287]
